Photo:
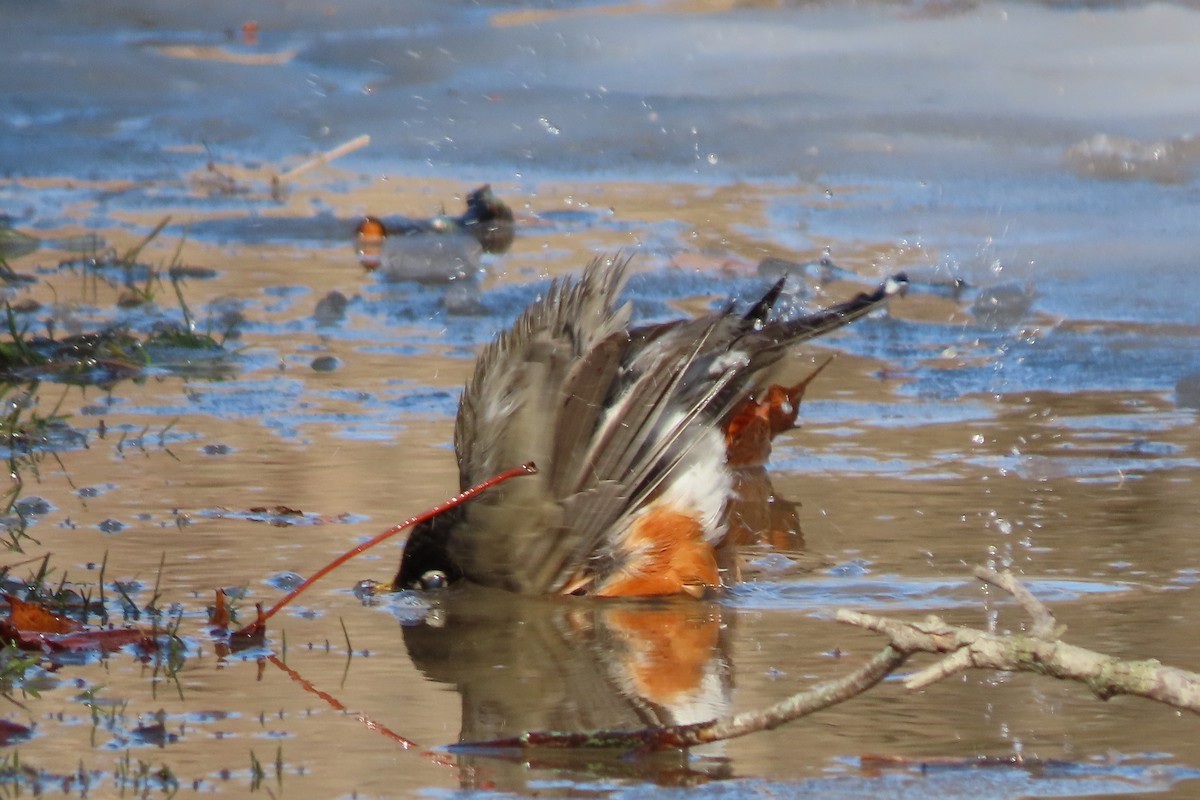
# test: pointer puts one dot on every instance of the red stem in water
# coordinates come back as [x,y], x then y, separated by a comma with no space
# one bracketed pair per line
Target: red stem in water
[524,469]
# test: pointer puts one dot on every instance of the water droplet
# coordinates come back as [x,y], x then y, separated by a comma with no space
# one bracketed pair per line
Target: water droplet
[712,158]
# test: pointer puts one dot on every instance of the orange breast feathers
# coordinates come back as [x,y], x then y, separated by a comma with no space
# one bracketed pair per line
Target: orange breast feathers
[666,552]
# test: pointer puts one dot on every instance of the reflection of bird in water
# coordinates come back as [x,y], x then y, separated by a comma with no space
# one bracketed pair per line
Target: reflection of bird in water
[633,430]
[553,664]
[755,514]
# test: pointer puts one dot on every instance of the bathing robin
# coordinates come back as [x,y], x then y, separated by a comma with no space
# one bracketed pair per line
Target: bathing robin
[628,428]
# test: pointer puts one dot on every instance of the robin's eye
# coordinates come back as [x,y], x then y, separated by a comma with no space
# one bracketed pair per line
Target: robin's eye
[434,579]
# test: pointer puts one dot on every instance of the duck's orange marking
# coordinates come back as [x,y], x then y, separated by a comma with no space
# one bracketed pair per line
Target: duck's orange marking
[371,235]
[670,649]
[372,229]
[668,555]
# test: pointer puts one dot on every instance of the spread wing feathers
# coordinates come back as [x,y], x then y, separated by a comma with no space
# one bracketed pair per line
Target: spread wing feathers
[785,333]
[610,417]
[583,400]
[696,372]
[506,409]
[641,441]
[677,382]
[510,413]
[762,345]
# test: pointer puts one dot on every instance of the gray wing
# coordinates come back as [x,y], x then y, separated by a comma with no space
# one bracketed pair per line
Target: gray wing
[532,396]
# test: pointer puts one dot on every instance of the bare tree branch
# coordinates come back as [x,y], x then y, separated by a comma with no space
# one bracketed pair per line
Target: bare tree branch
[805,703]
[1045,626]
[1039,651]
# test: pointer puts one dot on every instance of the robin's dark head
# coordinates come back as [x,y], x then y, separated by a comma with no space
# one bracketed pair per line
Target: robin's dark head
[426,563]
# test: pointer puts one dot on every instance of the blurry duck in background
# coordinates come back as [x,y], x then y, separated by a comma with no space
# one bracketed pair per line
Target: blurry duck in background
[439,249]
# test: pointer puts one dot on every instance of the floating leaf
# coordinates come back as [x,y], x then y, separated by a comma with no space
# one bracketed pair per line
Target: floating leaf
[35,618]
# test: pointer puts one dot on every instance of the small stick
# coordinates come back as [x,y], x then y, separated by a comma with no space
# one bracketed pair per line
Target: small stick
[324,158]
[525,469]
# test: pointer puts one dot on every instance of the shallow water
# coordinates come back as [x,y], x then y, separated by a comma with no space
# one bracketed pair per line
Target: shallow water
[1042,417]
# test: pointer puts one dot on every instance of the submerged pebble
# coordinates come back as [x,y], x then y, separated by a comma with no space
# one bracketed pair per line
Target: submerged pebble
[331,308]
[463,298]
[32,506]
[285,581]
[326,363]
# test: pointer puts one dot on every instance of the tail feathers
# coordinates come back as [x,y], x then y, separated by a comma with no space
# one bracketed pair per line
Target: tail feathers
[789,332]
[762,309]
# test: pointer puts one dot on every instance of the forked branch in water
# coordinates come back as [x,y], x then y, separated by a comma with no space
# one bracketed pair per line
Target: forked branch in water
[1040,651]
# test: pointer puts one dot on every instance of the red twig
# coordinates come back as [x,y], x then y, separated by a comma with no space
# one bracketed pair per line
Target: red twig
[524,469]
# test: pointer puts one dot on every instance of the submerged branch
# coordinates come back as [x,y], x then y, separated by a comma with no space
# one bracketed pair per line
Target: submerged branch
[682,736]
